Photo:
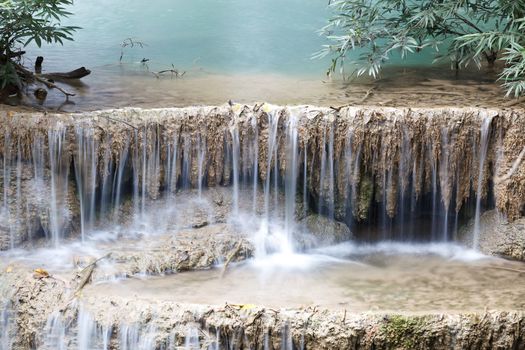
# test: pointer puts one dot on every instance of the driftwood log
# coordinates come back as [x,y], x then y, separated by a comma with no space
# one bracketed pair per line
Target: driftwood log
[48,79]
[74,74]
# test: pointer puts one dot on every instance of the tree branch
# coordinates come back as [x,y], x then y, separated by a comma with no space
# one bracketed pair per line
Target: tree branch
[30,75]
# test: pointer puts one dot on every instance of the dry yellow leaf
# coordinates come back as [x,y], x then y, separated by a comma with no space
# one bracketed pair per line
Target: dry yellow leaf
[237,107]
[247,306]
[243,306]
[267,108]
[9,269]
[41,273]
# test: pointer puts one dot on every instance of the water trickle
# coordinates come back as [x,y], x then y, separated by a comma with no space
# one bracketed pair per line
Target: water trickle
[273,122]
[292,152]
[6,326]
[482,155]
[201,146]
[55,332]
[86,330]
[117,183]
[235,166]
[59,173]
[86,170]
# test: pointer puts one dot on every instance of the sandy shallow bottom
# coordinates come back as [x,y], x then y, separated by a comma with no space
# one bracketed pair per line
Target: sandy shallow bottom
[121,86]
[384,277]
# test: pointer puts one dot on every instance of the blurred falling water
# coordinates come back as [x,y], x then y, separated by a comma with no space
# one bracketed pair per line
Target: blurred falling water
[482,155]
[335,167]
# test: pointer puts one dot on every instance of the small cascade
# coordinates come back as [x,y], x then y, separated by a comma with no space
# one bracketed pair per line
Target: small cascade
[271,154]
[482,158]
[86,171]
[86,330]
[292,155]
[55,332]
[59,182]
[254,147]
[192,339]
[6,326]
[387,174]
[445,180]
[235,166]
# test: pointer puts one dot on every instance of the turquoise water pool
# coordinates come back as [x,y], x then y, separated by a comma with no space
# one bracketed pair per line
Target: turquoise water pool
[243,50]
[227,36]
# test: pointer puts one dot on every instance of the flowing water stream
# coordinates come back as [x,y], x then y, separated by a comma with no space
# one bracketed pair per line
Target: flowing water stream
[354,211]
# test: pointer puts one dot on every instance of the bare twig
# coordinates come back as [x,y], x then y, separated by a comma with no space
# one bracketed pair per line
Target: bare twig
[231,257]
[423,92]
[94,262]
[174,73]
[506,269]
[51,85]
[514,102]
[85,276]
[30,75]
[337,109]
[367,95]
[512,170]
[129,42]
[120,121]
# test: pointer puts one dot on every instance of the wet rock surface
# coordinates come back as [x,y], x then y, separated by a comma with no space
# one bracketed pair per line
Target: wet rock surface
[31,209]
[354,164]
[357,163]
[325,231]
[184,250]
[41,317]
[497,236]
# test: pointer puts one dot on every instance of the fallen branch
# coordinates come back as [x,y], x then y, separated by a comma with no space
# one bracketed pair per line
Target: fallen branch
[174,72]
[423,92]
[367,95]
[31,76]
[120,121]
[74,74]
[512,170]
[85,276]
[231,257]
[337,109]
[16,54]
[506,269]
[94,262]
[514,102]
[51,85]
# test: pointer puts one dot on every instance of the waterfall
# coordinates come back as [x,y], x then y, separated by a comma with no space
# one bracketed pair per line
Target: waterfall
[482,155]
[291,175]
[235,165]
[255,169]
[6,325]
[201,159]
[59,173]
[86,170]
[273,122]
[383,171]
[117,189]
[86,330]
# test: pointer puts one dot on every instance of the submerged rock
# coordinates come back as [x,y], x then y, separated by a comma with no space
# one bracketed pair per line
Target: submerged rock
[325,231]
[497,236]
[39,317]
[179,251]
